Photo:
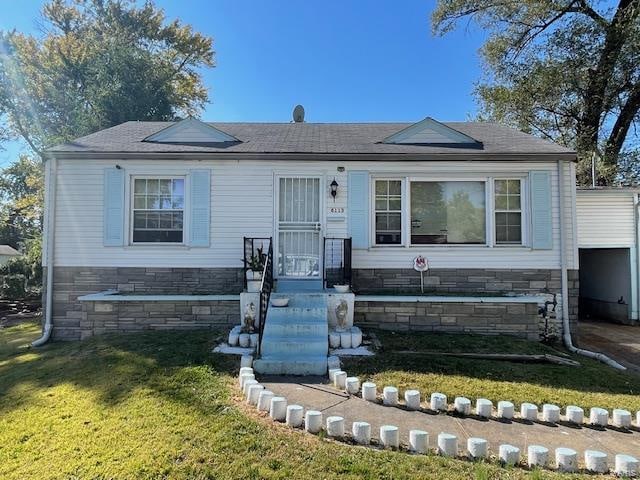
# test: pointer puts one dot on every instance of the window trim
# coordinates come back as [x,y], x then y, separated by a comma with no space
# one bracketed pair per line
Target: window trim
[372,211]
[487,179]
[524,209]
[185,209]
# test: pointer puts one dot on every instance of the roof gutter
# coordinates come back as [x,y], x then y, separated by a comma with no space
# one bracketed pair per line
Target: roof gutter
[50,242]
[566,330]
[316,156]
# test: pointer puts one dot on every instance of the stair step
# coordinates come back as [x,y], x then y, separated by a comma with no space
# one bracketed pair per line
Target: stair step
[301,346]
[291,365]
[296,329]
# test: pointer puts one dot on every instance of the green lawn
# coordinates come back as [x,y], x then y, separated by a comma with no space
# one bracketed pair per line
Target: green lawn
[590,385]
[159,405]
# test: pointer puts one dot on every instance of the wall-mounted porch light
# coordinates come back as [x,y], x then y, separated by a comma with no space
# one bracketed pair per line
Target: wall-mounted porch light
[334,189]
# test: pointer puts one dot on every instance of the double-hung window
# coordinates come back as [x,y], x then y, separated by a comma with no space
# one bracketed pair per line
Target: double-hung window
[158,210]
[508,211]
[388,212]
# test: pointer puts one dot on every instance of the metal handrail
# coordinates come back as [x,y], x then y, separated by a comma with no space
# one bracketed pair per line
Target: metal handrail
[266,286]
[336,265]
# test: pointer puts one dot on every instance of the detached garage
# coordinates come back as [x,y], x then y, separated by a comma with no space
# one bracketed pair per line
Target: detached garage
[608,248]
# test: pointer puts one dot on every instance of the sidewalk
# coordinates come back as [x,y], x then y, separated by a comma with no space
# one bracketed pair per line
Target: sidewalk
[314,394]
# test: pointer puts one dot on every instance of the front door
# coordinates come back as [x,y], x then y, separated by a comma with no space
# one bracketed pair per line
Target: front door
[298,227]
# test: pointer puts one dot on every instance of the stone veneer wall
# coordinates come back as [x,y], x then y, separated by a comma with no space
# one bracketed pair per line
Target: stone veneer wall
[492,318]
[131,316]
[71,317]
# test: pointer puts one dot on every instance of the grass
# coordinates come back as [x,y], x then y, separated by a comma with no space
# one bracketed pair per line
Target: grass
[590,385]
[159,405]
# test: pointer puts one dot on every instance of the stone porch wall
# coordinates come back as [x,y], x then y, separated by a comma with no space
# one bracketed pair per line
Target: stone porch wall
[71,317]
[132,316]
[487,318]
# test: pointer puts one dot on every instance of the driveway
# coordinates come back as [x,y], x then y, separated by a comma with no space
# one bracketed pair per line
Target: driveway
[620,342]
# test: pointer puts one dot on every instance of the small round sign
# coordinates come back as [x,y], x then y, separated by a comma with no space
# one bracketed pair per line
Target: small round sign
[420,264]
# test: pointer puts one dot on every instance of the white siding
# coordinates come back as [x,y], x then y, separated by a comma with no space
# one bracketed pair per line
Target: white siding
[242,205]
[605,218]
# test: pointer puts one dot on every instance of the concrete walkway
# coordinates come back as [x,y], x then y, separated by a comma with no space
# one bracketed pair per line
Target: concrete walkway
[315,394]
[620,342]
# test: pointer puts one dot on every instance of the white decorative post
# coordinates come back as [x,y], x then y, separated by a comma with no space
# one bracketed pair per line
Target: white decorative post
[566,460]
[335,426]
[447,445]
[626,465]
[356,337]
[509,455]
[477,448]
[244,340]
[294,415]
[247,384]
[599,416]
[244,377]
[484,407]
[418,441]
[537,456]
[278,409]
[233,338]
[264,400]
[334,339]
[529,411]
[313,421]
[340,379]
[462,405]
[412,399]
[361,432]
[621,418]
[352,385]
[253,393]
[574,414]
[389,436]
[332,373]
[506,410]
[390,396]
[345,340]
[246,361]
[438,402]
[550,413]
[369,392]
[596,461]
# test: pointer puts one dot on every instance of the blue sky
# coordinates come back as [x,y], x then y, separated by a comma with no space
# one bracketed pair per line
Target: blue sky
[345,61]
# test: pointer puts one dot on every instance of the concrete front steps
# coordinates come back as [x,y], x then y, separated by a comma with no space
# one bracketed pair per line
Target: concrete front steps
[295,338]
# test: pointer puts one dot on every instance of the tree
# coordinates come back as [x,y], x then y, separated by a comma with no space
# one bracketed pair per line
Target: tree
[100,63]
[21,188]
[567,70]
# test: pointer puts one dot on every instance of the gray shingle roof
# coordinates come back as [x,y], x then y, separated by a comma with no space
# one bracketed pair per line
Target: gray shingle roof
[317,138]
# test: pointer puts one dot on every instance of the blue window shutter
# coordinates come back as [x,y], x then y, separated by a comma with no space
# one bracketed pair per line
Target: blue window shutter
[200,206]
[113,228]
[358,208]
[541,216]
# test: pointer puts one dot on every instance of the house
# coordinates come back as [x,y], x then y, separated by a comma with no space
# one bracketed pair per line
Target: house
[7,252]
[608,249]
[162,213]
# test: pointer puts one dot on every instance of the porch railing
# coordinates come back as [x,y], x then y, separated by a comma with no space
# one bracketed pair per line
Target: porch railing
[337,262]
[254,253]
[265,294]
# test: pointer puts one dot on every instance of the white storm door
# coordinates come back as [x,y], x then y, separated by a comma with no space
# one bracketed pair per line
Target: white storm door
[299,227]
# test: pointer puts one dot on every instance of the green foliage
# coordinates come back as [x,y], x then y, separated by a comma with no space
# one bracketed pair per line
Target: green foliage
[101,62]
[21,276]
[21,200]
[568,71]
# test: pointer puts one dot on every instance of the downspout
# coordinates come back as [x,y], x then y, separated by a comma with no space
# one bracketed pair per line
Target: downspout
[566,334]
[635,309]
[50,241]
